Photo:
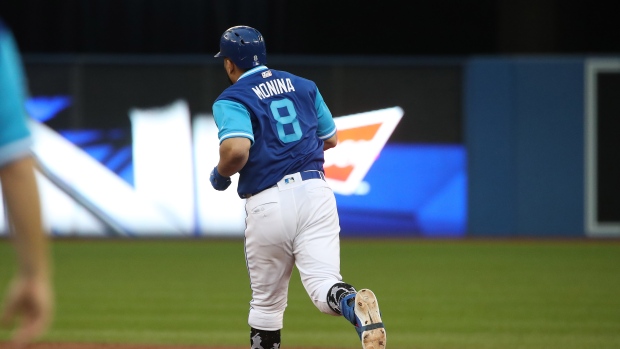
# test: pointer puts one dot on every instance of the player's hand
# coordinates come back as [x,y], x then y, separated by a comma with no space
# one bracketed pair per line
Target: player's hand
[218,181]
[29,302]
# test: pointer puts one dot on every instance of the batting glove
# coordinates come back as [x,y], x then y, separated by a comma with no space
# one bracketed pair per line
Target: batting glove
[218,181]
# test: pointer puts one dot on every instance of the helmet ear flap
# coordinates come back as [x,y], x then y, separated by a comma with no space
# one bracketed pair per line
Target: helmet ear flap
[244,46]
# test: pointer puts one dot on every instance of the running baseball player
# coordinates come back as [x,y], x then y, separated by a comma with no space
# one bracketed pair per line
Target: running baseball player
[273,129]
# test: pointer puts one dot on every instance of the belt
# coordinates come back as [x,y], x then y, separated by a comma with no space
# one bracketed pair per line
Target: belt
[305,175]
[311,175]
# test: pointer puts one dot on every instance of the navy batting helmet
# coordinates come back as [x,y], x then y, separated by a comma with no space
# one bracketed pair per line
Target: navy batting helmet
[244,46]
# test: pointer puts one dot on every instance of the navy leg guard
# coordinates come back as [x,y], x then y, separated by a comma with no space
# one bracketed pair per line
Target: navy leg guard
[337,293]
[261,339]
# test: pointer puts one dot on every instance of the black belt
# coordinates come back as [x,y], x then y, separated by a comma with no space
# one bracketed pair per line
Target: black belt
[305,175]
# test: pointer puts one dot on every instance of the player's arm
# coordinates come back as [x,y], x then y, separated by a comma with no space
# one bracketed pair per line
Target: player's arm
[326,129]
[234,153]
[330,142]
[236,138]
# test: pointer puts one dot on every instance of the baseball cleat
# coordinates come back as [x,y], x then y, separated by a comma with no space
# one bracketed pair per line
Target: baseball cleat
[363,312]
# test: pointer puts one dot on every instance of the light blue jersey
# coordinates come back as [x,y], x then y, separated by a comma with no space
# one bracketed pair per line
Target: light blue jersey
[285,118]
[15,140]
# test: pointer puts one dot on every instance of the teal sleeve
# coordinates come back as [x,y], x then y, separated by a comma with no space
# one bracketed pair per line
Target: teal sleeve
[232,120]
[15,138]
[327,127]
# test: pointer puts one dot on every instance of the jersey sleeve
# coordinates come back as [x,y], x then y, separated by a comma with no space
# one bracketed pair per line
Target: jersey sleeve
[232,120]
[15,139]
[326,127]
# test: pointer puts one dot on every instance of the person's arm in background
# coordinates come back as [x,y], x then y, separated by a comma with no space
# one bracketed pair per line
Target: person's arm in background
[29,300]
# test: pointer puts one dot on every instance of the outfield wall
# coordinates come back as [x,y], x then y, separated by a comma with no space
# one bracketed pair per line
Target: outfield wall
[535,166]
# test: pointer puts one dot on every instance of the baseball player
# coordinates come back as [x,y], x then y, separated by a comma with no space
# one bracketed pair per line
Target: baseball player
[29,298]
[273,129]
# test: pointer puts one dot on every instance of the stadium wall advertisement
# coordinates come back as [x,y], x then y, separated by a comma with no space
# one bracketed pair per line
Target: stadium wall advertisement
[163,188]
[428,148]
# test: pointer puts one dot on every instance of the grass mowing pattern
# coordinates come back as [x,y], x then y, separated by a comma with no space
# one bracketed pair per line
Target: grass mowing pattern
[433,294]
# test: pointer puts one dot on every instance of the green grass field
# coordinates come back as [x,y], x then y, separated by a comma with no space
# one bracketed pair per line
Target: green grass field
[502,294]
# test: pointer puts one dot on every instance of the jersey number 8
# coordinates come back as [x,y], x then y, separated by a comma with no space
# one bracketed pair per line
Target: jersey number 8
[290,119]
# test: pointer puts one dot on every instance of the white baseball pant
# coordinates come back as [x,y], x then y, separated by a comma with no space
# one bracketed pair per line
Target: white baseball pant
[294,223]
